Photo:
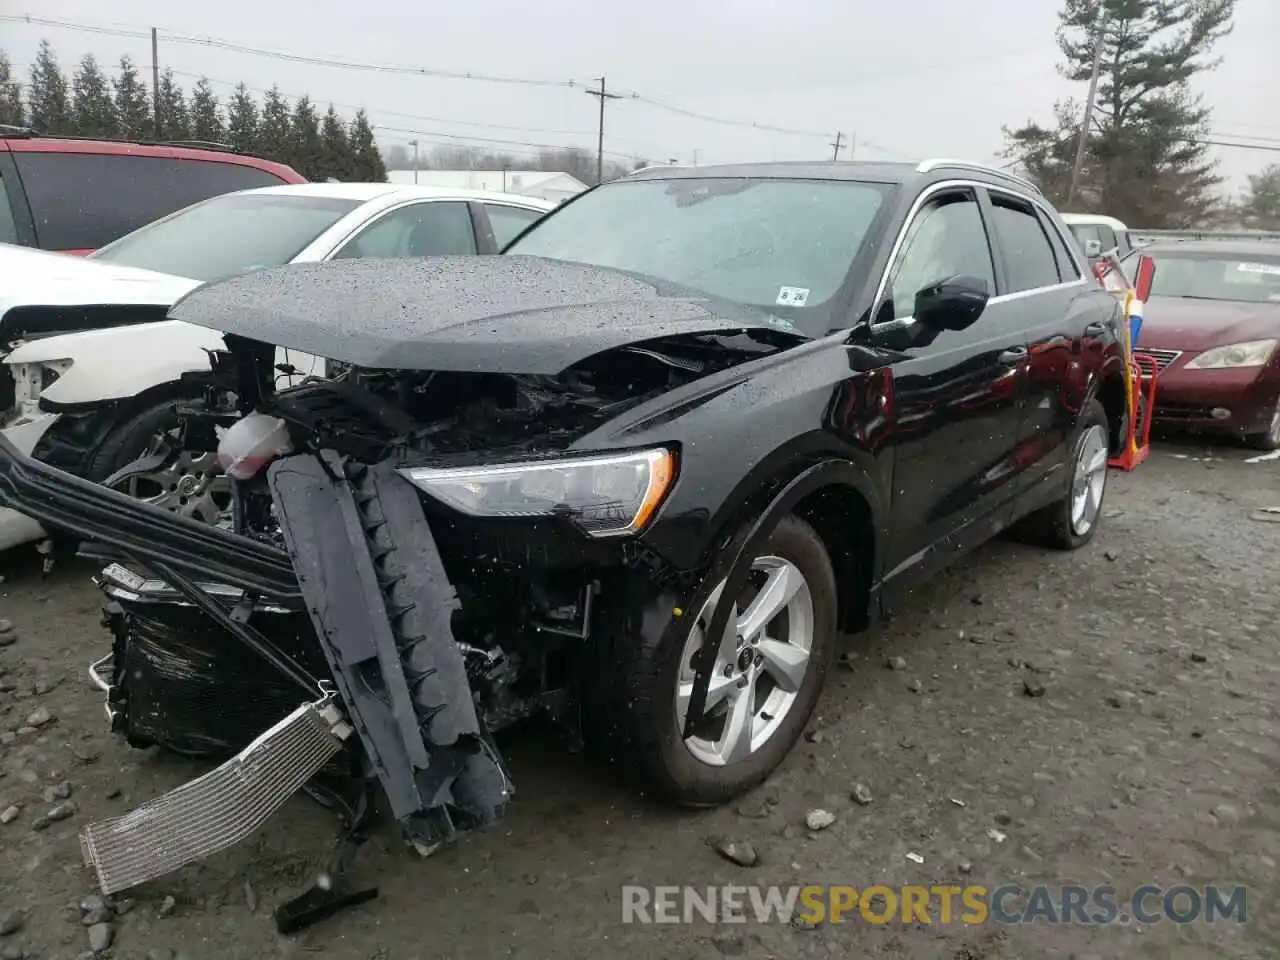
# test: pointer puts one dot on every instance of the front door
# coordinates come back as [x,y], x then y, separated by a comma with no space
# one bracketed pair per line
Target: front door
[956,398]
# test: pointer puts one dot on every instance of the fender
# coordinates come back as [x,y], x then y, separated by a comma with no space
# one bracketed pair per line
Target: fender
[119,362]
[735,566]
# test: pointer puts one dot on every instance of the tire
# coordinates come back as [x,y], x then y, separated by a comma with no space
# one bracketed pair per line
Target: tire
[633,719]
[1269,439]
[1053,526]
[130,439]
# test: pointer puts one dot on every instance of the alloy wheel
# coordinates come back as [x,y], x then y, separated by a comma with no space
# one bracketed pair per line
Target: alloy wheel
[1089,480]
[761,663]
[191,485]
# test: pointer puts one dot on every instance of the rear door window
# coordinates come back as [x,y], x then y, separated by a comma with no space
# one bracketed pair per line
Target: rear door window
[1028,255]
[432,229]
[1068,269]
[507,221]
[82,201]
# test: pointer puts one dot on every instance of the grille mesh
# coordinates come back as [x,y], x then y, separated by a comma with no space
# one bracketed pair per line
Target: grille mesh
[1163,358]
[214,811]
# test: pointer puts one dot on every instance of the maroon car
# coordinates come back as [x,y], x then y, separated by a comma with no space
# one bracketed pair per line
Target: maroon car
[1212,324]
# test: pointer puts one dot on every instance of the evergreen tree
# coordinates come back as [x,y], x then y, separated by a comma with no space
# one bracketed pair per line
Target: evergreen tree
[93,110]
[242,122]
[174,122]
[133,105]
[275,129]
[1261,206]
[306,152]
[203,117]
[368,165]
[11,109]
[336,159]
[48,103]
[1146,160]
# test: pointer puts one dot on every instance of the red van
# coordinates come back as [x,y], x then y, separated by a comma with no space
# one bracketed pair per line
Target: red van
[73,196]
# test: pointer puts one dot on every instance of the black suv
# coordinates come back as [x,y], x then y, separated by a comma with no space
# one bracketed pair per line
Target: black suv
[638,471]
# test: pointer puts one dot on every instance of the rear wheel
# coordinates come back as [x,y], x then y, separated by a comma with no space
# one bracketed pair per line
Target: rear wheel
[768,673]
[1073,521]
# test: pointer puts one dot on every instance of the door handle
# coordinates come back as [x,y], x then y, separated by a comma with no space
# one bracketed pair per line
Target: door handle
[1095,329]
[1013,355]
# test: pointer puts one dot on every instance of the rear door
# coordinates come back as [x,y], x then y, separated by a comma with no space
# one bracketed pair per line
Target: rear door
[956,398]
[1049,300]
[82,201]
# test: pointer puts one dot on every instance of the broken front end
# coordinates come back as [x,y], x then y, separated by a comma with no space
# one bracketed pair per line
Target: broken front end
[411,561]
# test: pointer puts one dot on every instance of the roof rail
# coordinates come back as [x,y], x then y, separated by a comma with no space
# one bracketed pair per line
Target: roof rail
[28,132]
[927,165]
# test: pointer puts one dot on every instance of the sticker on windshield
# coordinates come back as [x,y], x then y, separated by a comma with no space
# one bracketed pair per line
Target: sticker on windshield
[1271,268]
[792,296]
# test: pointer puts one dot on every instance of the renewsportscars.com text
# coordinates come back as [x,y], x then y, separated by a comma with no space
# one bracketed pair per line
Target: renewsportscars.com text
[1005,904]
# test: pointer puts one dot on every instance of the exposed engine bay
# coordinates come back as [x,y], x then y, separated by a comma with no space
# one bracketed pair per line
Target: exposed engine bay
[417,631]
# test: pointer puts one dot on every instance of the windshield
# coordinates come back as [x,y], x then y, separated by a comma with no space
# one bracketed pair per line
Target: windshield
[229,234]
[1205,276]
[783,245]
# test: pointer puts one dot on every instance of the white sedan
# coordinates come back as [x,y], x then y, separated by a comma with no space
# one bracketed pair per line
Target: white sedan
[91,401]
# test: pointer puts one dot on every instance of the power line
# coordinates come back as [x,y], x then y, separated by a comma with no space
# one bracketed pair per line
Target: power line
[391,113]
[459,140]
[454,139]
[284,55]
[1272,148]
[314,60]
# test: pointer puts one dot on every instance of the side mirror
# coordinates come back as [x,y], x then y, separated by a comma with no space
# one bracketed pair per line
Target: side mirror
[953,304]
[1093,249]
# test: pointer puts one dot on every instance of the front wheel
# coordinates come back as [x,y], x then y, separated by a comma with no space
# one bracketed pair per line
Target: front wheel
[768,673]
[1269,439]
[186,482]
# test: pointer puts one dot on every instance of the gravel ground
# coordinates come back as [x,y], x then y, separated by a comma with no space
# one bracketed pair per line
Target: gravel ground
[1150,757]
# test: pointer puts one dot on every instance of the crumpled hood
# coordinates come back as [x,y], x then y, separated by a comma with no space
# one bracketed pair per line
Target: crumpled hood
[501,314]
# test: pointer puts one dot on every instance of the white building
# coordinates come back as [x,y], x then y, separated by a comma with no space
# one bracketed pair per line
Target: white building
[546,185]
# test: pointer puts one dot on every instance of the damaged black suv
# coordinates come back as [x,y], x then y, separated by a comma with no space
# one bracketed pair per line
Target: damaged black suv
[637,472]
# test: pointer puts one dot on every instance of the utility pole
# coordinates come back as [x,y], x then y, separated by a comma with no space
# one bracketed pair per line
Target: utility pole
[603,95]
[835,147]
[853,142]
[1088,106]
[155,81]
[414,144]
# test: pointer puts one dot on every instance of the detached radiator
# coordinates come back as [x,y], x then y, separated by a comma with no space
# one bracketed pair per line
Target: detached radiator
[219,809]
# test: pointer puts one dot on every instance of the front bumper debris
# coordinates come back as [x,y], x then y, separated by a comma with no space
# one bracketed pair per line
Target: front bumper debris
[141,531]
[386,636]
[217,810]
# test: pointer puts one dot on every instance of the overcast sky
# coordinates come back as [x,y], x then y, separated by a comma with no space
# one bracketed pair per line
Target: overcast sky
[906,80]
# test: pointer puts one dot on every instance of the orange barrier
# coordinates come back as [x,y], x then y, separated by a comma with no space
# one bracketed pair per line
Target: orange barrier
[1143,374]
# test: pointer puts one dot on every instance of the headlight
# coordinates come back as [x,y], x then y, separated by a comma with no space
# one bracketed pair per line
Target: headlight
[605,495]
[1254,353]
